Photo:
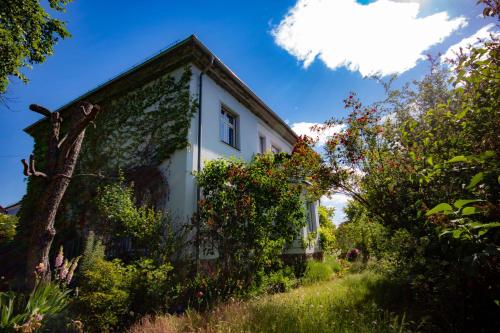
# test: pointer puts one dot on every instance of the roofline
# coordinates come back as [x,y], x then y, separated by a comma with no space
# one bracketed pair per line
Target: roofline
[113,79]
[160,54]
[244,86]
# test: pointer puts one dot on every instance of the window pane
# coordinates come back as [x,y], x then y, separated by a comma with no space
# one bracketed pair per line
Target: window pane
[221,129]
[231,136]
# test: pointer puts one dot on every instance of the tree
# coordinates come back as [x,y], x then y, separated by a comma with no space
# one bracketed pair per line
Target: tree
[27,36]
[327,229]
[61,158]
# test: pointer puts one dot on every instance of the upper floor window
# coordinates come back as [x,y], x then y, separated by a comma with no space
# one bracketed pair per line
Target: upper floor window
[262,144]
[228,127]
[275,149]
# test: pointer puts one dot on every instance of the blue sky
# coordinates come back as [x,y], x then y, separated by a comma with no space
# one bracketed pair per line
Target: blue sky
[287,55]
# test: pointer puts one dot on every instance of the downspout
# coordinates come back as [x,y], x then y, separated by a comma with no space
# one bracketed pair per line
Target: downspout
[198,168]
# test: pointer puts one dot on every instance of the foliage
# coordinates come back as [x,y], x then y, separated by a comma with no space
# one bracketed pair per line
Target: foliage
[104,301]
[113,294]
[151,288]
[28,313]
[138,131]
[92,252]
[333,262]
[249,214]
[317,271]
[27,36]
[142,127]
[327,229]
[434,195]
[8,224]
[279,281]
[360,232]
[116,204]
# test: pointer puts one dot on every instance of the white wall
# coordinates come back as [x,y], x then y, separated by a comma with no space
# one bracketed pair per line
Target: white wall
[181,166]
[250,126]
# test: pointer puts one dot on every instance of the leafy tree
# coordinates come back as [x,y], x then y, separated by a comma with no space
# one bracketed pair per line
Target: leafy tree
[327,229]
[250,212]
[27,36]
[429,173]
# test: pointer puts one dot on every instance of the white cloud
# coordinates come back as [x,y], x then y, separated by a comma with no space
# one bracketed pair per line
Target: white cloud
[338,201]
[383,37]
[474,40]
[304,128]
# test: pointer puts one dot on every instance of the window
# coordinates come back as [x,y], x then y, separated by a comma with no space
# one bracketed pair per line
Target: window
[275,149]
[310,217]
[262,144]
[228,127]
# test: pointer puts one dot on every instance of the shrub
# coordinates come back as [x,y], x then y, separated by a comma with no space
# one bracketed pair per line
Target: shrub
[8,224]
[279,281]
[250,213]
[104,302]
[316,272]
[151,287]
[93,251]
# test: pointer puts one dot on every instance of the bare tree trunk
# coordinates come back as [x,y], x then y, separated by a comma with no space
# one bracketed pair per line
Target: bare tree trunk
[62,156]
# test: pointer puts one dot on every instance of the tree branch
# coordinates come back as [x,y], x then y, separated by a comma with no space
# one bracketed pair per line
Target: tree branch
[29,170]
[90,112]
[41,110]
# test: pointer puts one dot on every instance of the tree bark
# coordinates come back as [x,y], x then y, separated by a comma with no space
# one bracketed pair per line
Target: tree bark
[62,156]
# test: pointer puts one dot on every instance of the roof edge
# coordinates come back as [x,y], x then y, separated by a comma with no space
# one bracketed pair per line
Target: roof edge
[136,68]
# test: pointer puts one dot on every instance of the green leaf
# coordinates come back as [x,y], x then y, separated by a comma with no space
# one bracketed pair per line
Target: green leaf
[488,154]
[462,202]
[461,114]
[457,159]
[441,208]
[429,160]
[478,177]
[469,211]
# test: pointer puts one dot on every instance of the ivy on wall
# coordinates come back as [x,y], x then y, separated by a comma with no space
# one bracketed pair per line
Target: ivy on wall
[135,133]
[141,128]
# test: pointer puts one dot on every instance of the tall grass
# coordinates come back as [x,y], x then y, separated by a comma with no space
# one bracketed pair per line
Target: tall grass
[344,305]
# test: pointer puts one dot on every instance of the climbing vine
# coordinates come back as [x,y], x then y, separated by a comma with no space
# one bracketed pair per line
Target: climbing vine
[135,133]
[141,128]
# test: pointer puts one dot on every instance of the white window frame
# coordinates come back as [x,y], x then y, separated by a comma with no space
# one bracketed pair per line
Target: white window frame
[225,126]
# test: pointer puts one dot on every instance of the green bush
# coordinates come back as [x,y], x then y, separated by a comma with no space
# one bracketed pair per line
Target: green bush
[151,287]
[104,302]
[8,224]
[316,271]
[279,281]
[93,251]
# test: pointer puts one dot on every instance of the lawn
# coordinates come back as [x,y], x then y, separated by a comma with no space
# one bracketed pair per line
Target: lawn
[346,304]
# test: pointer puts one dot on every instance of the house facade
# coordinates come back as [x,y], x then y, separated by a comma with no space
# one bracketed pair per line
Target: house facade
[230,121]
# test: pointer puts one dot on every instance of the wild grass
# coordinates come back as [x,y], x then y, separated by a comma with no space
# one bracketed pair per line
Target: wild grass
[347,304]
[316,272]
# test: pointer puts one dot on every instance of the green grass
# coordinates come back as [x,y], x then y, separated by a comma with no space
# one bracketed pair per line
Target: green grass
[316,272]
[346,304]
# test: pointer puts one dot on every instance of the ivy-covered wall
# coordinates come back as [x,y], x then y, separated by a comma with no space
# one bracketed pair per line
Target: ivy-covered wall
[136,131]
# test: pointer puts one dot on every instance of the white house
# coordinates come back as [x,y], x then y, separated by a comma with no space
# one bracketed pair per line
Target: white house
[231,121]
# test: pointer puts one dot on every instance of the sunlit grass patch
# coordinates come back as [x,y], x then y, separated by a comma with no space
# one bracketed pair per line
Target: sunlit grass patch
[342,305]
